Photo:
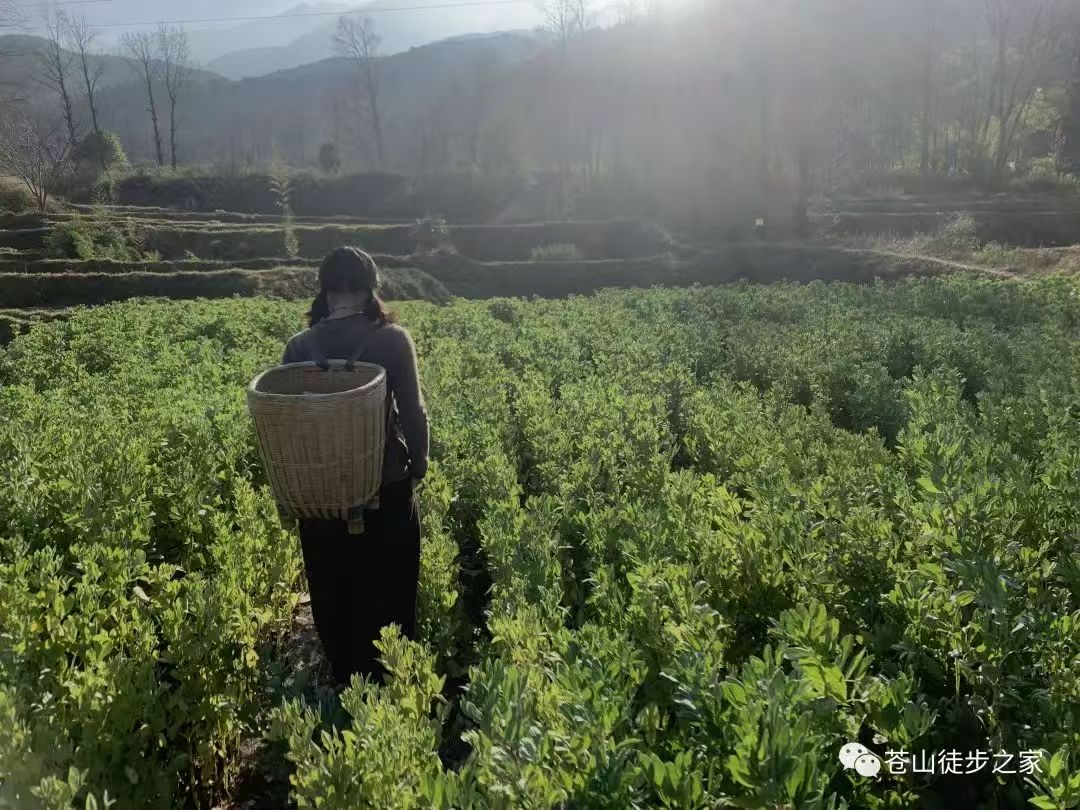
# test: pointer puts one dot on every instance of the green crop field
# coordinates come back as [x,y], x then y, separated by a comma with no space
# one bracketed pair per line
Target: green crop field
[680,546]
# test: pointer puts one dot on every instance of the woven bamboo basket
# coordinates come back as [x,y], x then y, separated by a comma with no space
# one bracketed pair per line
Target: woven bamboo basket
[322,434]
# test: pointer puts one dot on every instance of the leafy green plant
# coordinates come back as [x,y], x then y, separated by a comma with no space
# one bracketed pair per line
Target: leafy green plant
[996,254]
[96,235]
[432,233]
[957,237]
[101,152]
[15,198]
[281,186]
[680,546]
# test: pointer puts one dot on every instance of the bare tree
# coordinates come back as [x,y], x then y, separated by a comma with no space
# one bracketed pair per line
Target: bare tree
[635,12]
[357,40]
[1069,146]
[36,156]
[56,67]
[12,16]
[565,19]
[141,50]
[176,58]
[80,38]
[928,55]
[629,11]
[1026,38]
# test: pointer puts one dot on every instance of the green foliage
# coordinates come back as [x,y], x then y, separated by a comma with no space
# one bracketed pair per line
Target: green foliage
[389,757]
[1045,175]
[101,152]
[95,236]
[679,547]
[957,238]
[432,233]
[281,185]
[119,283]
[15,198]
[561,252]
[996,254]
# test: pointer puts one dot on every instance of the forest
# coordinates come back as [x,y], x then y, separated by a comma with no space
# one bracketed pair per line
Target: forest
[730,107]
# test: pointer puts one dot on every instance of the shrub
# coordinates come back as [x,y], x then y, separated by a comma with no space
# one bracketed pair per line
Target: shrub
[281,184]
[667,554]
[957,238]
[94,237]
[15,198]
[610,239]
[561,252]
[329,158]
[39,289]
[101,151]
[468,196]
[998,255]
[432,233]
[1044,175]
[312,193]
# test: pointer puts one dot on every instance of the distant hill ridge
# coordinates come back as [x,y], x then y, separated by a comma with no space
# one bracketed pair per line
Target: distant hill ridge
[266,46]
[19,52]
[292,110]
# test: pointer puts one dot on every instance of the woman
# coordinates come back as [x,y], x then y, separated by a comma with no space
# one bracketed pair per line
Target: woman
[359,584]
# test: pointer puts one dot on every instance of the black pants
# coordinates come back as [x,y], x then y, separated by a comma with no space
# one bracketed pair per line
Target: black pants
[361,583]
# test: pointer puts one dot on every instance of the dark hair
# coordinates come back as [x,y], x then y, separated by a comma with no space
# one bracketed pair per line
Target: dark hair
[349,269]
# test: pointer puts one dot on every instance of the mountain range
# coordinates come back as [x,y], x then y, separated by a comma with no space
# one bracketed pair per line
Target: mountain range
[263,46]
[19,55]
[466,116]
[293,111]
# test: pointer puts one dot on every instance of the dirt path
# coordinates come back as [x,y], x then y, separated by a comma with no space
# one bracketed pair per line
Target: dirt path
[263,782]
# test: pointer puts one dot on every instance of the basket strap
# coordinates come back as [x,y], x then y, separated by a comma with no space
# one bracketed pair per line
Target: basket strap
[350,364]
[351,360]
[315,350]
[320,357]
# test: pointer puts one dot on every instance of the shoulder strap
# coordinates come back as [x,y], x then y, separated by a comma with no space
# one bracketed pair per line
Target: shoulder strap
[311,342]
[361,348]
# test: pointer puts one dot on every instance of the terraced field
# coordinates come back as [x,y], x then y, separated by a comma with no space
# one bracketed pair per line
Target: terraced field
[222,254]
[1047,220]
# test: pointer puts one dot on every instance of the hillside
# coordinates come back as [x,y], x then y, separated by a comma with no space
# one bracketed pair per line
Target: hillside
[18,63]
[18,55]
[293,111]
[315,42]
[211,44]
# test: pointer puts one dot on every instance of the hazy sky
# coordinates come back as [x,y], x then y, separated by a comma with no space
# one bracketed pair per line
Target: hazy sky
[110,13]
[410,24]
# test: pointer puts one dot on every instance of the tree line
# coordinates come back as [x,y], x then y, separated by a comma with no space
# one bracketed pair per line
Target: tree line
[779,100]
[38,146]
[729,104]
